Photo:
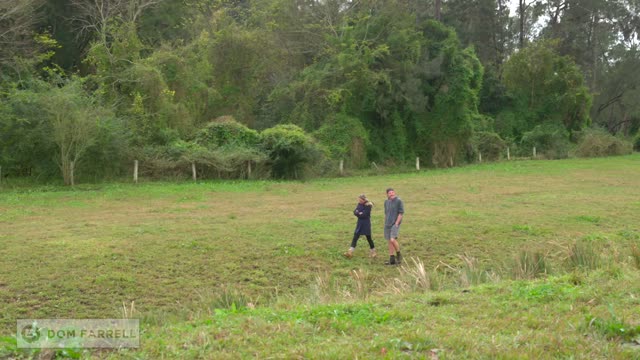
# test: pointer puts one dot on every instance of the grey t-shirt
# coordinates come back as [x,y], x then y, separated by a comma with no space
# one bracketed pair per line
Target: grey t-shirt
[391,210]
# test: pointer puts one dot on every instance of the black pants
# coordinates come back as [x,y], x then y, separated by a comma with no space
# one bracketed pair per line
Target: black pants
[354,242]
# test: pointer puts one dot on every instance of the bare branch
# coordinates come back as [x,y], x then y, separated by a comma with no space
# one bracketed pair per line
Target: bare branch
[17,28]
[95,15]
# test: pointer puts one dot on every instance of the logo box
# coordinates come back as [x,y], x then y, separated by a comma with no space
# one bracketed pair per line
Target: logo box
[78,333]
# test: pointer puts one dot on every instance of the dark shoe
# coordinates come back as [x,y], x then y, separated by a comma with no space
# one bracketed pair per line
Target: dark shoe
[392,261]
[398,259]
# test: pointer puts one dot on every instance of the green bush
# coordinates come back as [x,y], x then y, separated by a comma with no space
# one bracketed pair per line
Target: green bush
[489,144]
[107,156]
[289,150]
[226,131]
[636,143]
[599,143]
[344,137]
[232,149]
[551,140]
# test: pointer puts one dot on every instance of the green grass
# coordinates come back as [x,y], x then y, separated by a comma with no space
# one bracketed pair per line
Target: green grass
[254,269]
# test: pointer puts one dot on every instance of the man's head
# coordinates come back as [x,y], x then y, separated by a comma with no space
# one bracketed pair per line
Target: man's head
[391,194]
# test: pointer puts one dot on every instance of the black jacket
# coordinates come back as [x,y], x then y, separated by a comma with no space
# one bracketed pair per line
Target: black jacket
[363,227]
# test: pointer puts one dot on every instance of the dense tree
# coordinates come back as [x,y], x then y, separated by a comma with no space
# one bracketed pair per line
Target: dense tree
[546,87]
[483,24]
[372,80]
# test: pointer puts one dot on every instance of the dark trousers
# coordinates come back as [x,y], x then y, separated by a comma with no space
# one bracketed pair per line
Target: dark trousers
[354,242]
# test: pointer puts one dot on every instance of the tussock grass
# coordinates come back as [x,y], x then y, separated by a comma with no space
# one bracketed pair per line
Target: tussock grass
[583,255]
[472,273]
[530,265]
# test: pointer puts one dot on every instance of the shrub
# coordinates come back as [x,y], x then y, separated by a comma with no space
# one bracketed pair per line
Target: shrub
[550,140]
[226,131]
[636,143]
[599,143]
[107,155]
[289,150]
[232,147]
[345,138]
[489,144]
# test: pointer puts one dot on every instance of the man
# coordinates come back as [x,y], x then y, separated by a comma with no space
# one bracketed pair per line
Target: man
[393,213]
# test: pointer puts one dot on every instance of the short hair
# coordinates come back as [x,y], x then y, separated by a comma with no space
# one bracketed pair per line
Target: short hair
[389,189]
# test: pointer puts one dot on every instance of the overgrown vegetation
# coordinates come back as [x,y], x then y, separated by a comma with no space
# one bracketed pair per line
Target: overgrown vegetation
[594,143]
[370,82]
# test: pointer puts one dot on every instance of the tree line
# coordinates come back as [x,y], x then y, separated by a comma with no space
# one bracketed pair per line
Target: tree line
[280,88]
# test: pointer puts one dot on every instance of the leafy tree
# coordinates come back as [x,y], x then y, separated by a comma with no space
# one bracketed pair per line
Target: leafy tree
[345,137]
[73,117]
[394,76]
[482,24]
[546,87]
[616,107]
[25,137]
[456,103]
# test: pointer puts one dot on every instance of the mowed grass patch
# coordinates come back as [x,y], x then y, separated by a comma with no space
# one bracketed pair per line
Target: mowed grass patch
[167,247]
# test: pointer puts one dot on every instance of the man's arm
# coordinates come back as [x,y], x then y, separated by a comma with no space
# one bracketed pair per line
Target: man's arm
[400,212]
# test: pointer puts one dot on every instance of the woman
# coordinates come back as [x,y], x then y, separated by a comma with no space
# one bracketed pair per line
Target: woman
[363,227]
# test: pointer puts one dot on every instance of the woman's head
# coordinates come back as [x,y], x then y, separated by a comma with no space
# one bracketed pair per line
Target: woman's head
[363,200]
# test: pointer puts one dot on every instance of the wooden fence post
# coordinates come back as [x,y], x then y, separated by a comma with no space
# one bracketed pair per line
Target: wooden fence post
[193,171]
[418,163]
[479,157]
[508,154]
[135,171]
[248,169]
[534,152]
[341,166]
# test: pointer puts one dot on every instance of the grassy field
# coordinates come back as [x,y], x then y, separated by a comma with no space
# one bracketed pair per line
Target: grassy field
[523,259]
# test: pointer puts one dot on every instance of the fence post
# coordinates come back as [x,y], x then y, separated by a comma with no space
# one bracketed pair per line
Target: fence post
[135,171]
[508,154]
[479,156]
[193,171]
[418,163]
[341,166]
[248,169]
[0,175]
[534,152]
